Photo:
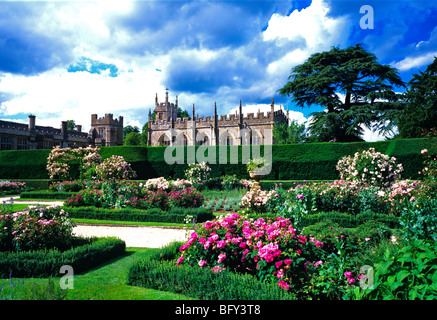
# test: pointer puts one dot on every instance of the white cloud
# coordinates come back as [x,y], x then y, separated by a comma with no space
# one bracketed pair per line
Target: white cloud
[312,27]
[59,95]
[415,62]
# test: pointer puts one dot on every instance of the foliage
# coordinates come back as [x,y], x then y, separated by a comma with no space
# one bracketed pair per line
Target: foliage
[408,274]
[370,167]
[367,87]
[132,139]
[230,182]
[255,165]
[420,111]
[419,220]
[129,129]
[288,134]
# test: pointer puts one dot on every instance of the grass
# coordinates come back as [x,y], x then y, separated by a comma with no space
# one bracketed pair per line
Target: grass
[106,282]
[129,223]
[16,206]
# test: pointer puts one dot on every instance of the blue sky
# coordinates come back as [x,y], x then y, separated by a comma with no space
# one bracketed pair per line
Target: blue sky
[66,60]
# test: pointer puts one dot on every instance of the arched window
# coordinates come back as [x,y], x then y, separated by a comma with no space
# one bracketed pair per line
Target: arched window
[255,138]
[203,141]
[163,141]
[181,140]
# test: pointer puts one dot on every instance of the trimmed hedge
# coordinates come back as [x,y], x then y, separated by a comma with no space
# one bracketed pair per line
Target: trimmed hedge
[175,215]
[344,220]
[308,161]
[287,184]
[156,272]
[58,195]
[47,263]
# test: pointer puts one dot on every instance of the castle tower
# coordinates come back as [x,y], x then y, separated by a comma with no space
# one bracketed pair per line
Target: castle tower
[166,111]
[107,131]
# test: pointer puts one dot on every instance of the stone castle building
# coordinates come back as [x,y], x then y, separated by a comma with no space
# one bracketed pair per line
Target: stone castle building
[235,129]
[105,131]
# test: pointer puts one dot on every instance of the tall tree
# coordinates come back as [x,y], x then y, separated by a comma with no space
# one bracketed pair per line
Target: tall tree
[420,113]
[132,139]
[128,129]
[353,87]
[71,125]
[288,134]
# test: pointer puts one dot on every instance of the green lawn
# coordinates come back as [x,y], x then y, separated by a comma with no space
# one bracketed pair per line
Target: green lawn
[107,282]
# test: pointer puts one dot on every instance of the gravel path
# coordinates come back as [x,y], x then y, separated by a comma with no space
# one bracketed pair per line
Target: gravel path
[134,236]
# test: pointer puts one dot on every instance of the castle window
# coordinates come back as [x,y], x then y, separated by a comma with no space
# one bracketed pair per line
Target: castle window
[5,143]
[229,141]
[255,138]
[163,141]
[101,133]
[22,144]
[204,141]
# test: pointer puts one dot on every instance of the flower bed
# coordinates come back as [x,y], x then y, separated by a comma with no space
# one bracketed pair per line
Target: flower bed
[267,249]
[11,187]
[115,196]
[35,228]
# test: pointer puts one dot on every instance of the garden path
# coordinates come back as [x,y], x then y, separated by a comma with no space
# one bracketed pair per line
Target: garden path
[135,236]
[18,200]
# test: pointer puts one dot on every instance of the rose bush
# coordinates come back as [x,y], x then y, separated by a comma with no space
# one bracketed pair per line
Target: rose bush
[255,201]
[370,167]
[271,250]
[115,168]
[197,174]
[11,187]
[36,228]
[60,159]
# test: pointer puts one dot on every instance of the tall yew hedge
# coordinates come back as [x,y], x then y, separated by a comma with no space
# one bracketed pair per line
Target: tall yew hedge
[310,161]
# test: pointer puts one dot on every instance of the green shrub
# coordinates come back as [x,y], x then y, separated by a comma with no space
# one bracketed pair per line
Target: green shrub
[60,195]
[174,215]
[46,263]
[408,274]
[202,283]
[419,219]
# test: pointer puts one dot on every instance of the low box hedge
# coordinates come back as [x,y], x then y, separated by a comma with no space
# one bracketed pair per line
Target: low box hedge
[159,271]
[58,195]
[47,263]
[344,220]
[174,215]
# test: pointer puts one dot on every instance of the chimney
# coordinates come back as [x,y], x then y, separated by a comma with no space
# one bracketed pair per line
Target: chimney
[79,127]
[31,122]
[64,127]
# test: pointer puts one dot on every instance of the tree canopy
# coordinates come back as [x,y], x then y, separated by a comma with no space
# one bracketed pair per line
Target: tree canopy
[352,86]
[288,134]
[420,112]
